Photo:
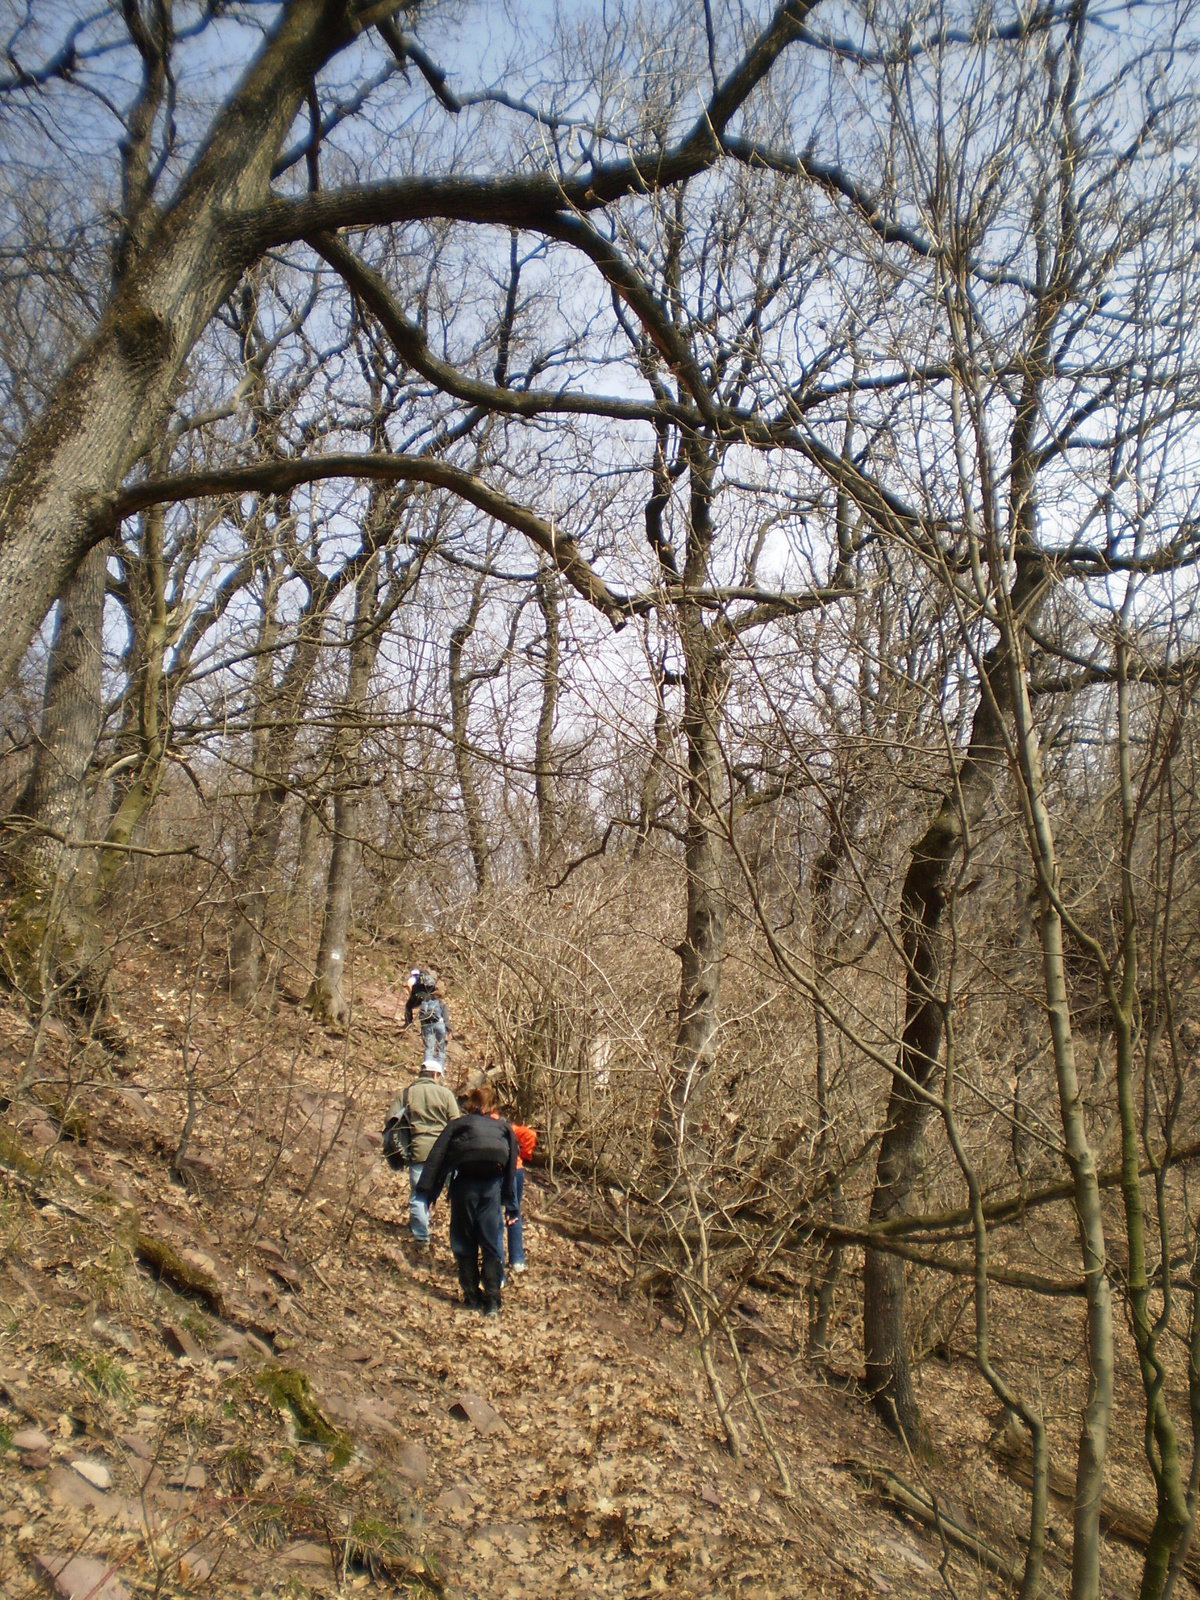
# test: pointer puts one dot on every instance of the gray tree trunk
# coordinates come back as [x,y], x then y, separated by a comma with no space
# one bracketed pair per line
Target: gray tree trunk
[460,715]
[326,997]
[278,712]
[928,883]
[549,841]
[701,951]
[50,938]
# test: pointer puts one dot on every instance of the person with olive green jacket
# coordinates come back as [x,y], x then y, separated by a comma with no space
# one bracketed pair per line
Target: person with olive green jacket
[431,1106]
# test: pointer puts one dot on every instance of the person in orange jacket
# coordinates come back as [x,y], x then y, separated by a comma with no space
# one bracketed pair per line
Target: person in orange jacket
[526,1142]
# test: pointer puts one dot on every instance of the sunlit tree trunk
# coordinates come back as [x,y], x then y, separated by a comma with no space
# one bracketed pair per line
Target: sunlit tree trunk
[326,996]
[50,936]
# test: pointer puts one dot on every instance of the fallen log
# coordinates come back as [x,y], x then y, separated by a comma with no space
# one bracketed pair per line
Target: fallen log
[1117,1520]
[919,1504]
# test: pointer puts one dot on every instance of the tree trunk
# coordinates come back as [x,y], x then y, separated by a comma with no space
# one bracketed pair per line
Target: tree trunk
[824,938]
[50,938]
[1093,1433]
[109,406]
[549,843]
[460,717]
[147,715]
[52,803]
[928,884]
[278,713]
[701,951]
[326,997]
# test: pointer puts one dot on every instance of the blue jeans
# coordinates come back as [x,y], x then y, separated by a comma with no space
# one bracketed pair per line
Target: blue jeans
[418,1211]
[433,1037]
[476,1218]
[515,1236]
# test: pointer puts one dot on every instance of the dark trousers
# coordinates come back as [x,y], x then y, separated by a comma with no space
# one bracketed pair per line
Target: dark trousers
[476,1218]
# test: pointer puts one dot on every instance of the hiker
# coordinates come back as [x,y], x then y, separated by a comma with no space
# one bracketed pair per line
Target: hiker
[424,998]
[478,1153]
[429,1105]
[512,1230]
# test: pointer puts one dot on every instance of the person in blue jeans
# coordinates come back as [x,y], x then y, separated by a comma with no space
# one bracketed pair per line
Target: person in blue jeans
[512,1232]
[477,1153]
[425,1000]
[430,1105]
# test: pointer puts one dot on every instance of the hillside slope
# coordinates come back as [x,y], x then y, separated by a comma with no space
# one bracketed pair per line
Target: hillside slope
[235,1380]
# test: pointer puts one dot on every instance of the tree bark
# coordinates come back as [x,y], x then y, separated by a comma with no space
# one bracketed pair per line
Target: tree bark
[701,951]
[52,802]
[145,738]
[1093,1433]
[326,997]
[278,712]
[109,407]
[460,716]
[50,937]
[928,884]
[549,842]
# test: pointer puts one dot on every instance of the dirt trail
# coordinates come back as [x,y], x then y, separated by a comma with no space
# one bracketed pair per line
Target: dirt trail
[242,1384]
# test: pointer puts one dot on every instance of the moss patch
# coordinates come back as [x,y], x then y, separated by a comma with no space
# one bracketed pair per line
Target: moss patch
[180,1274]
[289,1391]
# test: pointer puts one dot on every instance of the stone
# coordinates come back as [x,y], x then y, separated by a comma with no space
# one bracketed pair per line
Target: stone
[307,1554]
[231,1348]
[35,1460]
[180,1342]
[80,1578]
[67,1488]
[96,1473]
[413,1462]
[136,1445]
[30,1439]
[710,1495]
[473,1408]
[188,1477]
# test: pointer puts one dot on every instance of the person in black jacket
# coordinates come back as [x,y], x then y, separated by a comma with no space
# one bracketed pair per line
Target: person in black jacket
[478,1154]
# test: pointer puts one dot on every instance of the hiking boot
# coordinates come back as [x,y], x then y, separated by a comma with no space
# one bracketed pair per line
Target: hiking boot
[472,1302]
[517,1266]
[491,1308]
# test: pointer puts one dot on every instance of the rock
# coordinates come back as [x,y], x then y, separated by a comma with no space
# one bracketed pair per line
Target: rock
[413,1461]
[80,1578]
[188,1477]
[374,1414]
[201,1262]
[231,1348]
[456,1499]
[180,1342]
[710,1496]
[136,1445]
[96,1473]
[44,1134]
[35,1460]
[305,1554]
[30,1439]
[67,1488]
[473,1408]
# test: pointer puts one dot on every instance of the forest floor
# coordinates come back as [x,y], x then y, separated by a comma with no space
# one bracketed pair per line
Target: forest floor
[234,1380]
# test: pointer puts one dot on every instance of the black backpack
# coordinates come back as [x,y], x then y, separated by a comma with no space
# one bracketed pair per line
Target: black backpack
[397,1135]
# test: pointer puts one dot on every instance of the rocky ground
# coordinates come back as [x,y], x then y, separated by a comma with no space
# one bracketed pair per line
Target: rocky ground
[221,1372]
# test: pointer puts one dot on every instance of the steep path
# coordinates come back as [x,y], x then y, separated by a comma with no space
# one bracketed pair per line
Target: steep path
[242,1384]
